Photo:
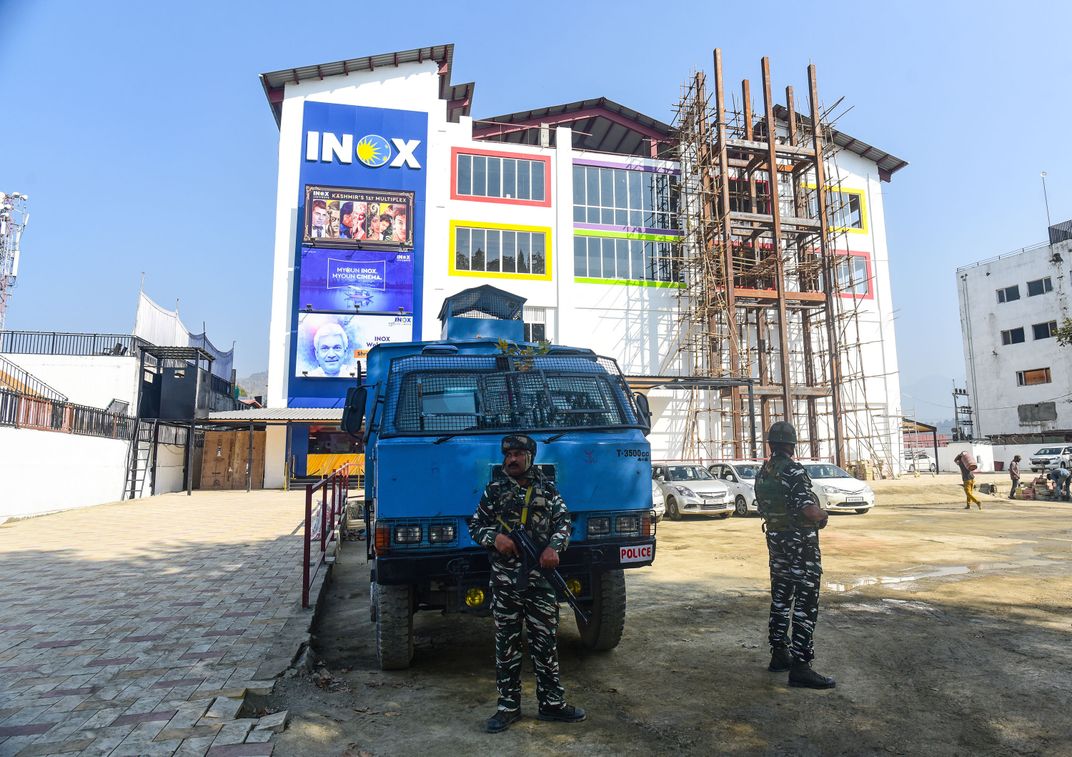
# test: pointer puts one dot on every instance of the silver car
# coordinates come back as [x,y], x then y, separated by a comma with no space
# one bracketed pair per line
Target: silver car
[837,490]
[692,490]
[739,476]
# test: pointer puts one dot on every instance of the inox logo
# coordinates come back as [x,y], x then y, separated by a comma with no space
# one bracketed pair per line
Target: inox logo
[372,150]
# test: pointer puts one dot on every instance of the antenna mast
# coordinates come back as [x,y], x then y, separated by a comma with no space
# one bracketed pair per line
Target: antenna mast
[13,220]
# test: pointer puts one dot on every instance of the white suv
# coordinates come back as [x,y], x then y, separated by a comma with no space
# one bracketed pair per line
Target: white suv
[1051,457]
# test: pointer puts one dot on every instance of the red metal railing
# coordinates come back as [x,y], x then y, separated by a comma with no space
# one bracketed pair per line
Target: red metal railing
[322,523]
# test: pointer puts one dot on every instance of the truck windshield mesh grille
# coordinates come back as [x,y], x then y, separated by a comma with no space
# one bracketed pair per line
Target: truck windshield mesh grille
[448,394]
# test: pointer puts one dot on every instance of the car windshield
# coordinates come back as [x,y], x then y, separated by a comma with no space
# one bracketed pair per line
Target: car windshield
[746,471]
[825,470]
[1049,451]
[689,473]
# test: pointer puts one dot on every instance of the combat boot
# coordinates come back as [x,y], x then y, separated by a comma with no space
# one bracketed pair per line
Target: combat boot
[802,676]
[501,720]
[780,660]
[563,713]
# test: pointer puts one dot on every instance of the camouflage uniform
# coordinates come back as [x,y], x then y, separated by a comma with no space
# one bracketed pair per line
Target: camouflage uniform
[783,489]
[518,596]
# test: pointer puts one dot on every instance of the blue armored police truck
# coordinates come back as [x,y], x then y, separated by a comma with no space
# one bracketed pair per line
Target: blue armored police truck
[434,414]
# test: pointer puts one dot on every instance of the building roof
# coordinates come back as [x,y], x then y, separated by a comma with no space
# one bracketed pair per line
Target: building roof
[599,125]
[887,164]
[262,414]
[459,97]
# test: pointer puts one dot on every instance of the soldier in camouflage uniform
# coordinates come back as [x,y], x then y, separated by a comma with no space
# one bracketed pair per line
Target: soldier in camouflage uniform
[792,519]
[524,495]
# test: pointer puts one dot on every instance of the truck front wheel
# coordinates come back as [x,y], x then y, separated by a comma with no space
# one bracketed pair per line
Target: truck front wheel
[606,619]
[394,626]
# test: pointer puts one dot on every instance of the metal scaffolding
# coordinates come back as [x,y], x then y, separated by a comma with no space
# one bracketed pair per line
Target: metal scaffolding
[760,202]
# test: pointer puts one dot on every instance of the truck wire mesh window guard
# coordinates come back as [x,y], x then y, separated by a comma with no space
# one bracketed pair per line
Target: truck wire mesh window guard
[459,393]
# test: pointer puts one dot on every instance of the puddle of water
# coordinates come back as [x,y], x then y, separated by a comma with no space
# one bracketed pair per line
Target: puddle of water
[951,570]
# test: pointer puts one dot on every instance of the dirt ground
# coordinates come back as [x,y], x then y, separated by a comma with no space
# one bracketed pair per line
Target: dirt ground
[948,632]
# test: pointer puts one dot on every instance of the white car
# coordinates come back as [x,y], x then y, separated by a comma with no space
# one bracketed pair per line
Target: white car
[1050,457]
[837,490]
[740,477]
[658,501]
[691,490]
[918,460]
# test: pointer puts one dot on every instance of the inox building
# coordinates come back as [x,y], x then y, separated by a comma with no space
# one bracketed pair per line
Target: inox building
[391,197]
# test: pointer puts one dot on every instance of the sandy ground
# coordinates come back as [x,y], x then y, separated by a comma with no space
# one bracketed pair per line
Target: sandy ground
[948,632]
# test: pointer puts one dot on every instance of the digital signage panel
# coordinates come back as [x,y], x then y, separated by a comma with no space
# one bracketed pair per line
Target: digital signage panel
[358,218]
[329,346]
[356,280]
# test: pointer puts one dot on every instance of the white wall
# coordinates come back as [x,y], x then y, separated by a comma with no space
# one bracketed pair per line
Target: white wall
[275,456]
[93,380]
[169,468]
[41,471]
[991,366]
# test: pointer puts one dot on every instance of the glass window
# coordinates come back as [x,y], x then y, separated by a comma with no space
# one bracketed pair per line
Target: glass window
[608,258]
[580,256]
[1013,336]
[480,176]
[624,197]
[497,250]
[465,174]
[850,273]
[1039,286]
[1008,294]
[461,250]
[1033,376]
[578,185]
[523,180]
[508,178]
[1043,330]
[595,257]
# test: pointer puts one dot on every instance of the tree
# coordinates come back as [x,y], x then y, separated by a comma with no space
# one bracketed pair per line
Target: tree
[1064,332]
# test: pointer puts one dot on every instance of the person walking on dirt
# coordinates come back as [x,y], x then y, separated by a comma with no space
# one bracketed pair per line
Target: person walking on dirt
[791,519]
[1014,474]
[967,466]
[524,496]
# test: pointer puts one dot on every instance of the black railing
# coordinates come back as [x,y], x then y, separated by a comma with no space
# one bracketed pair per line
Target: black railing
[18,379]
[22,411]
[64,343]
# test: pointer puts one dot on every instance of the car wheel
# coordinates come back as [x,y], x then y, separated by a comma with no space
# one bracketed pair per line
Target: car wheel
[671,509]
[864,511]
[740,506]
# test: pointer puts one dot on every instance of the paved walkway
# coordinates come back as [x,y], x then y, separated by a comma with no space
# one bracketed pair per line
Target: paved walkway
[136,628]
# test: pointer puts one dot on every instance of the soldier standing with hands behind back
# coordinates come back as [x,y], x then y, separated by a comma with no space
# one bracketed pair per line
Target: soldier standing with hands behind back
[524,496]
[792,519]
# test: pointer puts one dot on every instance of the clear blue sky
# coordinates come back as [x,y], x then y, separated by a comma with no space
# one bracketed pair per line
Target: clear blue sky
[143,138]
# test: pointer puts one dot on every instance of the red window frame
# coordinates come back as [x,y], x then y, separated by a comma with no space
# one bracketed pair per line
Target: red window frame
[870,295]
[545,159]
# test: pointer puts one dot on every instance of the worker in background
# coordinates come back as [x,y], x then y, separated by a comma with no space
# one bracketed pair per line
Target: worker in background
[967,466]
[1062,479]
[792,519]
[1014,475]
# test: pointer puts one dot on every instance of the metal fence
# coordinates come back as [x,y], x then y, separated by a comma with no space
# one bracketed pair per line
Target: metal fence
[322,522]
[65,343]
[21,411]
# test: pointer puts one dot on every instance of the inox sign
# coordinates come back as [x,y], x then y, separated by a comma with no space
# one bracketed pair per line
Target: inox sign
[372,150]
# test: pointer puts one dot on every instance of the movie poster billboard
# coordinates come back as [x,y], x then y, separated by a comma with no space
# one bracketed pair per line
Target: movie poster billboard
[329,346]
[356,280]
[358,218]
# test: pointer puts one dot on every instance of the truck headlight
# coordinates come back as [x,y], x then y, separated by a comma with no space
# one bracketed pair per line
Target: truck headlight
[443,532]
[407,534]
[628,525]
[598,526]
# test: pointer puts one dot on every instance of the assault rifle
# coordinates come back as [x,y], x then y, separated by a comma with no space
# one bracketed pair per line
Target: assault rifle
[530,556]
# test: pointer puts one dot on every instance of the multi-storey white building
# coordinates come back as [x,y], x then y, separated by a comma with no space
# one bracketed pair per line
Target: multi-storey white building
[1019,378]
[391,197]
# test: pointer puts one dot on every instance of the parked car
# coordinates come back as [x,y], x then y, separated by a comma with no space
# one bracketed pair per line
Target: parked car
[658,501]
[739,476]
[1051,457]
[837,490]
[919,460]
[691,490]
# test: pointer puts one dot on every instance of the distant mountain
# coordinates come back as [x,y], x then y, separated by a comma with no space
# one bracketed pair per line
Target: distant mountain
[255,384]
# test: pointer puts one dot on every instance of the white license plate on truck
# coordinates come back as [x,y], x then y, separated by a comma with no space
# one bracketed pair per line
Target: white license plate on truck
[639,553]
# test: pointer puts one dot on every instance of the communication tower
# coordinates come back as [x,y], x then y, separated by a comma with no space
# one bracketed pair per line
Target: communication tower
[13,220]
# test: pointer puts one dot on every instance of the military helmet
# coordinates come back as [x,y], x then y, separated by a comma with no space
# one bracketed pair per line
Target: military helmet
[519,441]
[781,432]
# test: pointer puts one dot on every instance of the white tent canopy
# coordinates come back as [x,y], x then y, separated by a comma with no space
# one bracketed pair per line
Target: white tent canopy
[164,328]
